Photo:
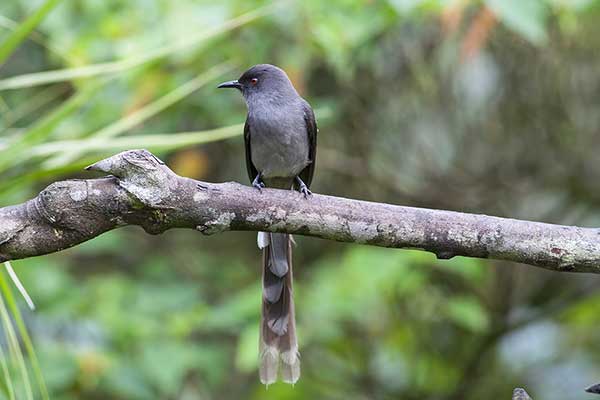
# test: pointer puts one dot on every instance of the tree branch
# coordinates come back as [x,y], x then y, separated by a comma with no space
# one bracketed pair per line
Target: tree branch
[143,191]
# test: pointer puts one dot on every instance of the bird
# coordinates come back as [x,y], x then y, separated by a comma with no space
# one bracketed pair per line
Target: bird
[280,136]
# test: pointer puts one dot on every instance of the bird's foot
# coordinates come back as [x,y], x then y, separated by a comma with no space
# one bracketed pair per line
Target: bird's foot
[302,188]
[305,191]
[258,183]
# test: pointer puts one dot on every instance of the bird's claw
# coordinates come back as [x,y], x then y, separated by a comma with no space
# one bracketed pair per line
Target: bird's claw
[258,183]
[302,188]
[305,191]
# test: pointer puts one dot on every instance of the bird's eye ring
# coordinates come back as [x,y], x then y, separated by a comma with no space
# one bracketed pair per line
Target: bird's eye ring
[254,81]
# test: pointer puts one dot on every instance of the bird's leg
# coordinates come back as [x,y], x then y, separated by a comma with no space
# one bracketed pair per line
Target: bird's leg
[303,188]
[258,183]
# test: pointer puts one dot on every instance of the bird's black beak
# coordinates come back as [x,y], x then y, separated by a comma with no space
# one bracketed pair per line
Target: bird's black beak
[231,84]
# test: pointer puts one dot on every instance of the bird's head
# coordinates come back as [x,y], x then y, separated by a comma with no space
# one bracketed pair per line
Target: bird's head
[262,80]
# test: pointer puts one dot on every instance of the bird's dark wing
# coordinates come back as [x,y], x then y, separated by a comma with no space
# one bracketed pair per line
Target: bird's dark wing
[311,129]
[252,172]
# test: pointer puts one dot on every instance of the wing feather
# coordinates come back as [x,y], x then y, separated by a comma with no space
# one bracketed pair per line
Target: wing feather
[252,171]
[311,130]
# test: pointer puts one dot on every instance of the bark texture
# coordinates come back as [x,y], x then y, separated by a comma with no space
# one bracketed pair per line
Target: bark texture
[143,191]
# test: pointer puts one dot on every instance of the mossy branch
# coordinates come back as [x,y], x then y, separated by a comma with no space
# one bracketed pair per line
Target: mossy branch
[143,191]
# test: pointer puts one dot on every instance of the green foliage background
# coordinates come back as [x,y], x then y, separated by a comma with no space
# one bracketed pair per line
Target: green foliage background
[479,106]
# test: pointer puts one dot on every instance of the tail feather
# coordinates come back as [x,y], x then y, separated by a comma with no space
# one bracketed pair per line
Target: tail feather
[279,251]
[269,364]
[290,366]
[278,343]
[272,287]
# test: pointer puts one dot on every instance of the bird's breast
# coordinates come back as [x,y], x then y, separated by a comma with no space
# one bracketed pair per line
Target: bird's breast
[279,143]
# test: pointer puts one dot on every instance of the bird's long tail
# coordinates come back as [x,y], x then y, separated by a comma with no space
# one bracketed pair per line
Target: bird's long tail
[278,345]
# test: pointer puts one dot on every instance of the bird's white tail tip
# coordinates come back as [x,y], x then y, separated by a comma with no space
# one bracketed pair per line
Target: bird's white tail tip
[262,240]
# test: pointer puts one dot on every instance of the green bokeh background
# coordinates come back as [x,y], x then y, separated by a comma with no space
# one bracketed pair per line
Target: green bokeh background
[478,106]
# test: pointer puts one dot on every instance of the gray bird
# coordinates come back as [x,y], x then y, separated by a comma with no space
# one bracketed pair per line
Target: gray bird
[281,144]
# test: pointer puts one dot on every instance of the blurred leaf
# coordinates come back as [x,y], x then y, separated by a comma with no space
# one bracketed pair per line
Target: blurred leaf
[165,141]
[60,367]
[232,314]
[16,184]
[15,349]
[406,6]
[472,269]
[48,281]
[7,385]
[16,37]
[165,365]
[583,313]
[246,359]
[468,313]
[34,36]
[145,112]
[39,100]
[42,129]
[41,78]
[126,381]
[16,314]
[105,243]
[526,17]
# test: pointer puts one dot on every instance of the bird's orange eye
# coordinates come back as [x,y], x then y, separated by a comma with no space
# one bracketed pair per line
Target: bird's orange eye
[254,81]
